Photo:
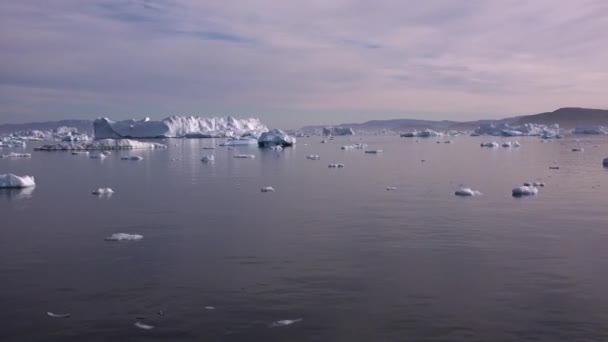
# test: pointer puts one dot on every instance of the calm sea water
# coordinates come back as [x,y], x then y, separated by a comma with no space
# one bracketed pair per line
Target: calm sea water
[331,247]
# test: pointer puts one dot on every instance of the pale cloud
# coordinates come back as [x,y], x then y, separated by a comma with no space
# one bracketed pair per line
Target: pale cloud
[294,63]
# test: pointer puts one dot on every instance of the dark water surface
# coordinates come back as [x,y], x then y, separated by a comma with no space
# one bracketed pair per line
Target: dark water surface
[332,247]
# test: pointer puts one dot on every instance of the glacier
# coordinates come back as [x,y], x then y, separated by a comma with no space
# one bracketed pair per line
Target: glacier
[11,181]
[178,127]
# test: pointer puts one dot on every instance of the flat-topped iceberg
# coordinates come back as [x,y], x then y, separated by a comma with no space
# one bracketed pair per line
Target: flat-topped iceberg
[338,131]
[275,137]
[601,130]
[427,133]
[506,130]
[178,127]
[11,181]
[104,144]
[59,134]
[466,192]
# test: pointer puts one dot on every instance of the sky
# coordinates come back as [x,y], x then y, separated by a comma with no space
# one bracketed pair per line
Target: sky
[294,63]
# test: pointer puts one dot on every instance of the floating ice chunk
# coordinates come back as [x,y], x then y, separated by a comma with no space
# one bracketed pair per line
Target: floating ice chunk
[134,158]
[209,148]
[510,144]
[208,159]
[144,326]
[504,129]
[275,137]
[339,165]
[267,189]
[16,155]
[244,141]
[448,142]
[421,134]
[209,307]
[578,149]
[374,151]
[105,144]
[11,181]
[347,147]
[313,157]
[98,156]
[605,162]
[124,236]
[591,130]
[525,191]
[338,131]
[466,192]
[285,322]
[553,167]
[244,156]
[390,188]
[489,144]
[276,148]
[56,315]
[75,153]
[103,191]
[323,141]
[106,153]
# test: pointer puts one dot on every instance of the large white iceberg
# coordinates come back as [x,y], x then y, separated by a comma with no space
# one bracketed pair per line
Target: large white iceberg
[178,127]
[11,181]
[60,134]
[591,130]
[506,130]
[275,137]
[104,144]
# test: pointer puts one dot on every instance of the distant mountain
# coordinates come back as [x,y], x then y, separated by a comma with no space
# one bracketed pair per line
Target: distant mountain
[85,126]
[565,117]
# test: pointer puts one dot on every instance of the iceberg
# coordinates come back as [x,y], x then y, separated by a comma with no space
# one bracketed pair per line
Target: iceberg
[285,322]
[374,151]
[525,191]
[208,159]
[57,315]
[336,165]
[506,130]
[267,189]
[244,156]
[390,188]
[143,326]
[104,144]
[16,155]
[427,133]
[275,137]
[465,192]
[510,144]
[12,142]
[133,158]
[244,141]
[338,131]
[578,149]
[178,127]
[11,181]
[60,134]
[601,130]
[124,236]
[103,191]
[98,156]
[317,157]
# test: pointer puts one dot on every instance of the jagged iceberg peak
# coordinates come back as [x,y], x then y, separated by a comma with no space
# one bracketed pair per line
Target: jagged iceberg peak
[179,127]
[275,137]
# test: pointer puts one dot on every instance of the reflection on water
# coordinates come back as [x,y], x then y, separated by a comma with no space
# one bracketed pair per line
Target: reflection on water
[16,193]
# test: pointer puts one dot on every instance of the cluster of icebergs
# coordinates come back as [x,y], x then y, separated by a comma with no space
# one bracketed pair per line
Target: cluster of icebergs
[12,142]
[60,134]
[16,155]
[528,129]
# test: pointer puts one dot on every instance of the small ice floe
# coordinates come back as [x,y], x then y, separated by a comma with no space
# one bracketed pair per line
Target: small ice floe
[106,153]
[103,191]
[347,147]
[16,155]
[535,184]
[208,159]
[209,307]
[133,158]
[57,315]
[525,191]
[605,162]
[285,322]
[360,146]
[489,144]
[374,151]
[244,156]
[448,142]
[209,148]
[98,156]
[510,144]
[124,236]
[339,165]
[313,157]
[267,189]
[465,192]
[578,149]
[11,181]
[391,188]
[76,153]
[143,326]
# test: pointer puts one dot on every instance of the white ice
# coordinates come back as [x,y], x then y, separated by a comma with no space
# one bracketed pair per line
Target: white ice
[244,156]
[124,236]
[10,181]
[267,189]
[103,191]
[285,322]
[144,326]
[275,137]
[313,157]
[525,191]
[16,155]
[467,192]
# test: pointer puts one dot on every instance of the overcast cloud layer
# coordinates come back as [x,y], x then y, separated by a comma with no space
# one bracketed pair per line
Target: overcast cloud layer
[300,62]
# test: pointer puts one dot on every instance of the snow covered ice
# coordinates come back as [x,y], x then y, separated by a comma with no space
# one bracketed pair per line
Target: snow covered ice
[11,181]
[275,137]
[465,192]
[336,165]
[124,236]
[178,127]
[525,191]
